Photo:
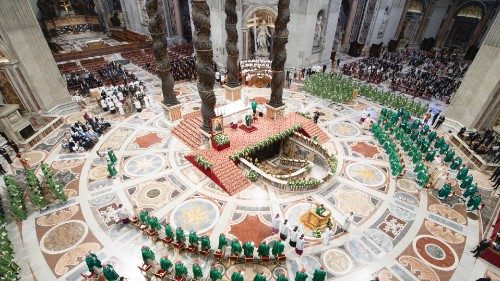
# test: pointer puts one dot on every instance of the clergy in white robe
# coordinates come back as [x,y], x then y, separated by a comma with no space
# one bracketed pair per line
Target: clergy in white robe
[294,236]
[284,230]
[327,236]
[276,220]
[301,243]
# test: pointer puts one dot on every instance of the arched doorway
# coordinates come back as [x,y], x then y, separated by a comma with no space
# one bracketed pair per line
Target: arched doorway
[465,24]
[258,31]
[412,21]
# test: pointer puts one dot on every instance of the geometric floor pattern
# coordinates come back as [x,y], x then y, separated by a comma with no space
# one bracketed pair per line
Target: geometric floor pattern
[399,233]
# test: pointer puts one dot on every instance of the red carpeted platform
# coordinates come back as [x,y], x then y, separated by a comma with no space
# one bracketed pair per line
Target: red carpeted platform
[491,255]
[225,172]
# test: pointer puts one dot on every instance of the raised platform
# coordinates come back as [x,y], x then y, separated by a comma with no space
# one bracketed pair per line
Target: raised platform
[225,172]
[476,159]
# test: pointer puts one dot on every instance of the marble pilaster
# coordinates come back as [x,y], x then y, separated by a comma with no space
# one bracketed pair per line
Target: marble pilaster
[425,21]
[476,104]
[402,20]
[21,32]
[448,23]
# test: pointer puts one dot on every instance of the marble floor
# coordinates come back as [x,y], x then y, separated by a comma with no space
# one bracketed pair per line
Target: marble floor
[399,232]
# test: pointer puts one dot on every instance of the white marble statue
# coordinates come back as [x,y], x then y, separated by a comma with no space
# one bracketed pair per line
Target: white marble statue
[262,36]
[383,24]
[318,35]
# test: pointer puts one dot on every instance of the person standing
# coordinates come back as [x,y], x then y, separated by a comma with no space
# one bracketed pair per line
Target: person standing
[13,145]
[495,175]
[439,122]
[5,155]
[327,236]
[301,243]
[123,214]
[254,107]
[294,235]
[284,230]
[276,223]
[348,221]
[2,170]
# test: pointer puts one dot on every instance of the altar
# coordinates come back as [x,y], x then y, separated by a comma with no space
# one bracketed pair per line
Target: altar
[315,221]
[237,107]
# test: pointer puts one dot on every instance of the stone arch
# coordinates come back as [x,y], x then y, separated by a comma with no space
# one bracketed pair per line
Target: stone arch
[319,30]
[466,20]
[249,23]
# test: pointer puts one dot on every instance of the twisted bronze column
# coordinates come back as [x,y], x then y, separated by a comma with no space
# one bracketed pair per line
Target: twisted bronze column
[279,53]
[204,60]
[232,44]
[156,28]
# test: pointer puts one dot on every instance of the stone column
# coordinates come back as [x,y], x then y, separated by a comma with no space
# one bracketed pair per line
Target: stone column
[429,9]
[476,104]
[204,60]
[447,24]
[350,22]
[276,105]
[126,23]
[402,20]
[163,64]
[233,89]
[479,29]
[102,13]
[17,92]
[23,37]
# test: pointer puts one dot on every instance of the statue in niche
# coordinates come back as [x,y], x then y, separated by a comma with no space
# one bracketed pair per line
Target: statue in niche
[263,40]
[318,35]
[383,24]
[47,9]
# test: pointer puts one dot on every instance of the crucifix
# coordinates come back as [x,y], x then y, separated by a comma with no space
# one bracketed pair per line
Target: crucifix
[65,5]
[253,22]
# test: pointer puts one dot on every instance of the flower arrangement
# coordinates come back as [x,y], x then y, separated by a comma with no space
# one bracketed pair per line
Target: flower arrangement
[252,176]
[316,233]
[304,184]
[221,139]
[333,164]
[331,87]
[202,162]
[264,143]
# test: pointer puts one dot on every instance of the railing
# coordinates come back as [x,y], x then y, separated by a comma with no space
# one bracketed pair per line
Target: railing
[41,134]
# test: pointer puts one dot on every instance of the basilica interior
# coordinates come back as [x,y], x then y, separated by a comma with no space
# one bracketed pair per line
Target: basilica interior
[250,140]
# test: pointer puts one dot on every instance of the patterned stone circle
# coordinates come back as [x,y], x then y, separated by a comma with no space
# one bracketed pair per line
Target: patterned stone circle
[33,157]
[345,130]
[143,165]
[365,174]
[63,237]
[310,263]
[98,173]
[279,271]
[435,252]
[408,185]
[199,215]
[153,193]
[337,261]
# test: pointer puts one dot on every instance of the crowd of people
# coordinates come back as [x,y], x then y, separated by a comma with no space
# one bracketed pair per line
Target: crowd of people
[115,73]
[184,68]
[127,98]
[425,84]
[374,70]
[486,143]
[82,81]
[83,137]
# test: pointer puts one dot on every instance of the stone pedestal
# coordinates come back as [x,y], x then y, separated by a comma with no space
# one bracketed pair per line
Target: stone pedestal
[13,124]
[275,112]
[233,94]
[172,113]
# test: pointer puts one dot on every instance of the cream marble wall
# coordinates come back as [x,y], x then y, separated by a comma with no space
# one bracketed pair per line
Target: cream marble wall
[387,30]
[436,18]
